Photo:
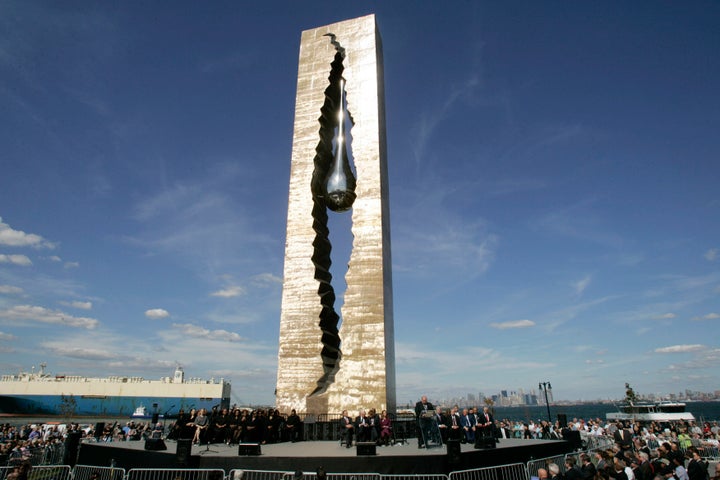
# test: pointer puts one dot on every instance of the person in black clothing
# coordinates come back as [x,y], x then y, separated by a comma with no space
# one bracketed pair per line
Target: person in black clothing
[587,470]
[697,469]
[293,426]
[572,472]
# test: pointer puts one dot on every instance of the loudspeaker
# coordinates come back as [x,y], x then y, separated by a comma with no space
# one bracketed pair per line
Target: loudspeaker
[72,443]
[99,427]
[155,444]
[249,449]
[562,420]
[366,448]
[155,418]
[573,436]
[484,441]
[453,452]
[183,452]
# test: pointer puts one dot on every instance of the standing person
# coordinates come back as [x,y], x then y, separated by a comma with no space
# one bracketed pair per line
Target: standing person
[385,428]
[485,429]
[455,425]
[422,409]
[293,426]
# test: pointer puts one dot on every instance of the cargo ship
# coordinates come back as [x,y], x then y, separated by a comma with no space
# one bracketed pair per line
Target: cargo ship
[40,393]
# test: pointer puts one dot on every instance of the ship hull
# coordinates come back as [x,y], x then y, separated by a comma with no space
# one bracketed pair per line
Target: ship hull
[102,405]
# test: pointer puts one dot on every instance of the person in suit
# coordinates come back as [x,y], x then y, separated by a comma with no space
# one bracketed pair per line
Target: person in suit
[374,422]
[347,428]
[422,408]
[623,437]
[362,427]
[485,428]
[454,423]
[467,420]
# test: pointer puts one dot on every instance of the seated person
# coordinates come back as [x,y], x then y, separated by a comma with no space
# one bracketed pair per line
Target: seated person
[347,429]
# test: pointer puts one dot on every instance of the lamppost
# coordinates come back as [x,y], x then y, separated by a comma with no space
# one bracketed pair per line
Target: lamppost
[545,386]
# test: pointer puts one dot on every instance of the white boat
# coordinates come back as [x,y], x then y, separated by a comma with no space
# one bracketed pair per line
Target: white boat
[652,412]
[142,412]
[635,410]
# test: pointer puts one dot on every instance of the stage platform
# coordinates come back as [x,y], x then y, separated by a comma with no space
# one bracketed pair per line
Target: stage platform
[309,455]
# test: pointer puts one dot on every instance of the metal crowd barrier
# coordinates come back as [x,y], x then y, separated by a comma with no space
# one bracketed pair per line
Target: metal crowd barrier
[534,465]
[86,472]
[516,471]
[175,474]
[429,476]
[238,474]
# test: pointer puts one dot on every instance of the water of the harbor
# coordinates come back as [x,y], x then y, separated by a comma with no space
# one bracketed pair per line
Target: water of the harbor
[703,411]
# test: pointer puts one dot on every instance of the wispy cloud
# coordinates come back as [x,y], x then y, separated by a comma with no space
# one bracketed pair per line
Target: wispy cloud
[77,304]
[709,316]
[10,290]
[21,260]
[581,221]
[711,255]
[157,313]
[199,332]
[582,284]
[7,337]
[513,324]
[27,313]
[229,292]
[680,348]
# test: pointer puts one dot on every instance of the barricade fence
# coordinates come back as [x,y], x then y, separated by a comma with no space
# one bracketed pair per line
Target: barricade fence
[175,474]
[516,471]
[89,472]
[238,474]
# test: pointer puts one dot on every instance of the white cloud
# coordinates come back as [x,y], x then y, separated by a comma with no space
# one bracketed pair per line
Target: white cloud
[79,352]
[10,290]
[709,316]
[582,284]
[680,348]
[6,336]
[22,260]
[233,291]
[665,316]
[44,315]
[264,279]
[54,258]
[157,313]
[711,255]
[197,331]
[71,265]
[17,238]
[78,305]
[513,324]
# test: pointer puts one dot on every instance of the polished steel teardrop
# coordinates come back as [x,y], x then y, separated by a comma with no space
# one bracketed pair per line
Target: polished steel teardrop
[340,181]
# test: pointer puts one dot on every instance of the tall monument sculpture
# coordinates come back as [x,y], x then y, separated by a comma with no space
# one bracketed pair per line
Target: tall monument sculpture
[330,361]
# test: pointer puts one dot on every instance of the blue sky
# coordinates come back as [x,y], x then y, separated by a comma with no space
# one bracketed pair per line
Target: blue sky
[554,170]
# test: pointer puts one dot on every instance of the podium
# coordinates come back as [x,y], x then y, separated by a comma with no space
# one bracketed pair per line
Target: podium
[430,430]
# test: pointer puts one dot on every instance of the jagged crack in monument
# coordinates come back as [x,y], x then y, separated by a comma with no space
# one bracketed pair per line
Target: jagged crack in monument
[323,368]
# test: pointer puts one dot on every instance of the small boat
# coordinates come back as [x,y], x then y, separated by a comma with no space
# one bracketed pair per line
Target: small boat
[142,412]
[662,411]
